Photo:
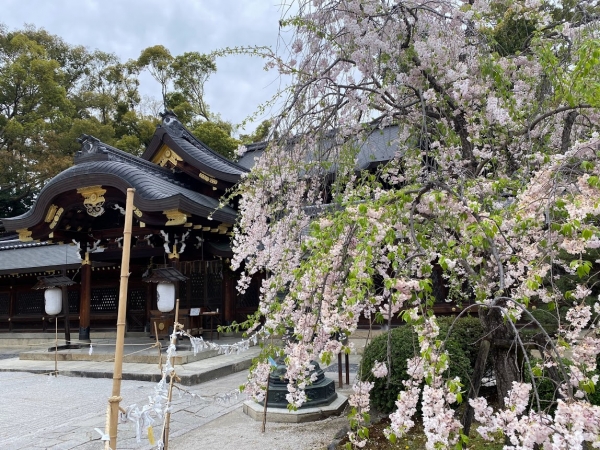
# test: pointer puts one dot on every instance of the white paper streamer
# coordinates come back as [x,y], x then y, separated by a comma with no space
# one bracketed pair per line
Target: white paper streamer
[158,405]
[103,435]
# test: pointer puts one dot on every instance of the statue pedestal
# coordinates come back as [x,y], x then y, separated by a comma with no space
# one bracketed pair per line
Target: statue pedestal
[322,400]
[256,411]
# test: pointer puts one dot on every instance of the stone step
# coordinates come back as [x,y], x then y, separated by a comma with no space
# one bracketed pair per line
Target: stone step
[16,339]
[130,355]
[205,366]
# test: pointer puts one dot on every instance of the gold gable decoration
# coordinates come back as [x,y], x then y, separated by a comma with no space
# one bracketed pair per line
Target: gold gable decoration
[223,228]
[24,235]
[93,199]
[175,217]
[86,261]
[53,216]
[165,155]
[208,178]
[51,213]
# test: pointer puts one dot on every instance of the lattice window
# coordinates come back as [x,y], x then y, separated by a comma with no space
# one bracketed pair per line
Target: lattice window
[197,290]
[190,267]
[4,303]
[183,294]
[30,302]
[205,280]
[214,282]
[137,300]
[249,299]
[73,297]
[104,299]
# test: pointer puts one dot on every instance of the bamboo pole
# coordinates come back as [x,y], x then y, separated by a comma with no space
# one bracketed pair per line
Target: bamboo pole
[158,346]
[56,345]
[115,399]
[166,424]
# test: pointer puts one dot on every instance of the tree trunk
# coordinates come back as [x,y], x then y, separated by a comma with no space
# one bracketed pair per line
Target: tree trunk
[504,352]
[478,372]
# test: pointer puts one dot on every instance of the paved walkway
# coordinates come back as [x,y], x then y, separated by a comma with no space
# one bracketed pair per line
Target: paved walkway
[41,411]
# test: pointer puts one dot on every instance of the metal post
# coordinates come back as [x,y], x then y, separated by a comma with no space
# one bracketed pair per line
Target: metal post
[340,379]
[115,399]
[347,359]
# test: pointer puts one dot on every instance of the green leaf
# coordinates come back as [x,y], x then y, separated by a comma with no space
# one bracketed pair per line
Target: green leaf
[587,386]
[587,233]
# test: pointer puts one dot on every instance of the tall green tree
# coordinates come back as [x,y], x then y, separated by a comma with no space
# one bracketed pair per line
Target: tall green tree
[157,61]
[182,79]
[50,93]
[190,72]
[33,104]
[217,135]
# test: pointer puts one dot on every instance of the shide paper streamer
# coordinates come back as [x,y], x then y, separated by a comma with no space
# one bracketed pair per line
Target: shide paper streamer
[146,416]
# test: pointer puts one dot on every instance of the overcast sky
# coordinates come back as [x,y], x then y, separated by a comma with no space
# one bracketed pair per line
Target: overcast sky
[125,27]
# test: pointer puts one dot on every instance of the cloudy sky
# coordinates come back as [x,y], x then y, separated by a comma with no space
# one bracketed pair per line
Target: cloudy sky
[125,27]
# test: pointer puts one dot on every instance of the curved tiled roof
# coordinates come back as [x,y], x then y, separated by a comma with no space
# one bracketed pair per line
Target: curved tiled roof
[99,164]
[193,151]
[206,156]
[379,145]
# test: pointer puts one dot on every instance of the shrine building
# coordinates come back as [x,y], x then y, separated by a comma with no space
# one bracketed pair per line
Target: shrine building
[75,229]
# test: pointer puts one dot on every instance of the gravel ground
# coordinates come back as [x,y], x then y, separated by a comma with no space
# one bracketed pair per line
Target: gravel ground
[44,412]
[236,431]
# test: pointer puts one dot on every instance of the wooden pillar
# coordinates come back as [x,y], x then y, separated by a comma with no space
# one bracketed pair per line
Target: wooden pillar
[12,305]
[174,260]
[150,288]
[85,299]
[65,309]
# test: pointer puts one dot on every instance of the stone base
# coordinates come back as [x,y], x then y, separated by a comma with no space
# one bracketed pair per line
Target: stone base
[283,415]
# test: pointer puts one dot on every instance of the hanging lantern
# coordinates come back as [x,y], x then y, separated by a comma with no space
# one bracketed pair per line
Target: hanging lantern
[165,297]
[165,289]
[53,301]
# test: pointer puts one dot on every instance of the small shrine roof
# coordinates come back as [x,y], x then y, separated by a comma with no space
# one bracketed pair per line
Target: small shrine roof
[193,151]
[21,257]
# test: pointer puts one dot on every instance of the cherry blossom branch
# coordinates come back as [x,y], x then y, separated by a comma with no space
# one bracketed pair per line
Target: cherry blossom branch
[541,117]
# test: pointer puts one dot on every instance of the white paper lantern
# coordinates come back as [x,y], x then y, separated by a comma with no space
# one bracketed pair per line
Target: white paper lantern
[165,296]
[53,301]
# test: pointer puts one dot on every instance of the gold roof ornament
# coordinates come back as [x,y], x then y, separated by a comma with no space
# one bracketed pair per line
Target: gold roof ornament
[24,235]
[93,199]
[166,155]
[55,218]
[208,178]
[51,213]
[223,228]
[175,217]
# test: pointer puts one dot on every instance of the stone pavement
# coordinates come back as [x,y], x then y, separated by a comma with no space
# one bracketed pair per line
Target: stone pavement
[44,412]
[41,411]
[78,363]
